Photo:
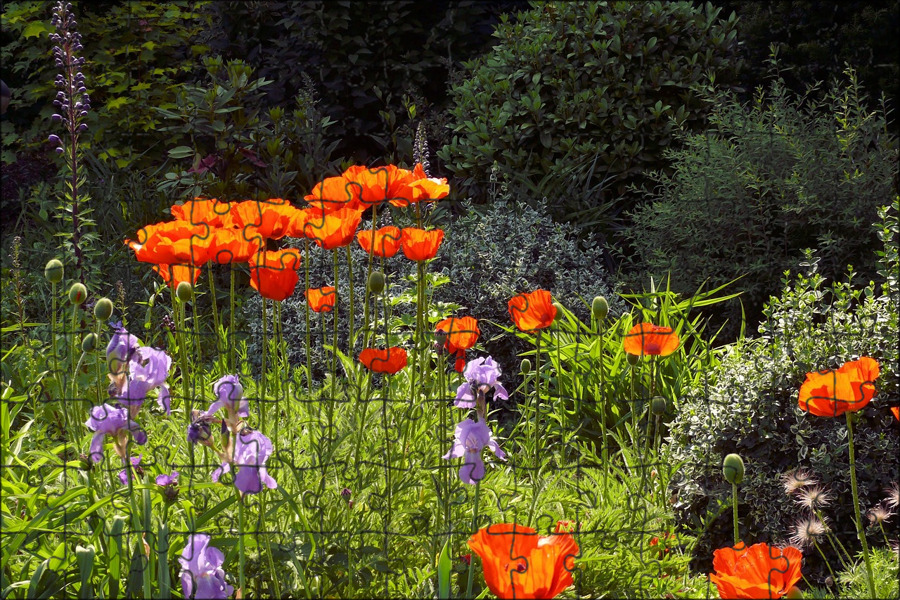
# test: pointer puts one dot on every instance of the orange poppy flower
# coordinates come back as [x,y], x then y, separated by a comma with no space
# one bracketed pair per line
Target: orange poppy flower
[896,411]
[388,361]
[335,193]
[651,340]
[832,393]
[759,571]
[175,274]
[424,188]
[532,311]
[321,299]
[332,230]
[273,273]
[172,242]
[387,241]
[462,333]
[212,212]
[269,219]
[518,563]
[419,244]
[232,246]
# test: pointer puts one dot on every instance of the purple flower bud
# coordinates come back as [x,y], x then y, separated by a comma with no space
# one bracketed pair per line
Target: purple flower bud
[54,139]
[84,112]
[82,127]
[59,150]
[77,105]
[56,118]
[65,107]
[57,103]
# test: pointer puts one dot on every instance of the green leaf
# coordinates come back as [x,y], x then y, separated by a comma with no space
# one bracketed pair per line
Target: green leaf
[85,558]
[36,29]
[444,565]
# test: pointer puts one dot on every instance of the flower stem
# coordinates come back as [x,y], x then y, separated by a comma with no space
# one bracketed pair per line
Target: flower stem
[350,277]
[602,405]
[240,543]
[859,528]
[734,506]
[474,529]
[230,344]
[215,310]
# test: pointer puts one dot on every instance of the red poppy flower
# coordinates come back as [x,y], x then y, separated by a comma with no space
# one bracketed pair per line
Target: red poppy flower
[232,246]
[335,193]
[175,274]
[462,333]
[321,299]
[388,361]
[651,340]
[211,212]
[419,244]
[832,393]
[423,188]
[387,241]
[532,311]
[172,242]
[759,571]
[518,563]
[273,273]
[269,219]
[332,230]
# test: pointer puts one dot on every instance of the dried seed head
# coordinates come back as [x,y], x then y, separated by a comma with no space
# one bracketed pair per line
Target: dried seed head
[797,480]
[814,498]
[879,514]
[806,532]
[893,496]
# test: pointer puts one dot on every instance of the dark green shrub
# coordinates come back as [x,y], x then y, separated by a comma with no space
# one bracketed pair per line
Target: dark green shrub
[750,406]
[593,89]
[764,182]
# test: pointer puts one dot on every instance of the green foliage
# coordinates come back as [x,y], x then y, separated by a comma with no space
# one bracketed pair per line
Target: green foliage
[237,150]
[764,182]
[749,406]
[138,53]
[587,90]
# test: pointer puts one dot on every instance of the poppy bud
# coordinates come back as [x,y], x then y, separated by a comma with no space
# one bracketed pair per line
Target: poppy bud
[633,359]
[89,343]
[184,291]
[526,366]
[733,468]
[558,307]
[600,308]
[77,293]
[103,309]
[376,282]
[794,593]
[54,271]
[658,405]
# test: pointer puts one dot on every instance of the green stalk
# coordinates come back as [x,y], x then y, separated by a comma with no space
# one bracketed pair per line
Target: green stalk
[230,344]
[474,529]
[241,543]
[859,528]
[56,373]
[734,506]
[537,407]
[350,275]
[215,310]
[262,517]
[182,352]
[306,281]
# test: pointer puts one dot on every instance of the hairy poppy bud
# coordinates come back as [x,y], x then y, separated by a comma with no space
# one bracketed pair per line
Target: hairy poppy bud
[633,359]
[794,593]
[558,307]
[103,309]
[733,468]
[600,308]
[89,342]
[658,405]
[77,293]
[376,282]
[184,291]
[526,366]
[54,271]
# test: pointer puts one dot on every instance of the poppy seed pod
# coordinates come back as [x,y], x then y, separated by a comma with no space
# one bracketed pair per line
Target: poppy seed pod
[658,405]
[526,366]
[77,293]
[376,282]
[103,309]
[733,468]
[54,271]
[89,343]
[184,291]
[633,359]
[600,308]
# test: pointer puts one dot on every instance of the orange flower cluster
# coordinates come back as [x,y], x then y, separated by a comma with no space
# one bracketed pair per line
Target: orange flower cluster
[759,571]
[360,187]
[831,393]
[518,563]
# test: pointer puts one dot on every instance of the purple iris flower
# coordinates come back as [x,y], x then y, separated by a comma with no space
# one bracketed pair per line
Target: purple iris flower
[471,438]
[481,375]
[164,480]
[202,575]
[121,345]
[115,422]
[251,450]
[125,474]
[147,369]
[230,394]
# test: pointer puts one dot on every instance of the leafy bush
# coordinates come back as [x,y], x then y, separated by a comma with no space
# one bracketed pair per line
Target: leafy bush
[764,182]
[751,407]
[591,88]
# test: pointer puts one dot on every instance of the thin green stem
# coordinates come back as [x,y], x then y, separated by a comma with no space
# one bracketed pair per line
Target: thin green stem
[220,358]
[602,368]
[859,527]
[241,543]
[230,343]
[350,340]
[262,374]
[474,529]
[734,507]
[306,306]
[537,407]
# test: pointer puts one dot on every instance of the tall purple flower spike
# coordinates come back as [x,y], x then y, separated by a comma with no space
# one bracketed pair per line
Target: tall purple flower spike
[230,394]
[470,439]
[251,451]
[202,575]
[112,421]
[481,375]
